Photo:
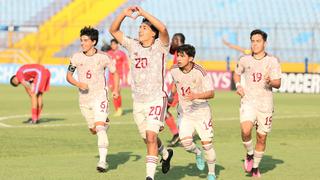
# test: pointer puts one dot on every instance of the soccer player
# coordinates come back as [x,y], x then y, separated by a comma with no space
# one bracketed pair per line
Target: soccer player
[194,87]
[261,73]
[122,67]
[147,56]
[36,80]
[93,92]
[177,40]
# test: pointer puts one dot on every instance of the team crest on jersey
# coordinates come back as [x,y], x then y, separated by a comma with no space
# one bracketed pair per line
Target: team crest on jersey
[248,67]
[156,118]
[135,53]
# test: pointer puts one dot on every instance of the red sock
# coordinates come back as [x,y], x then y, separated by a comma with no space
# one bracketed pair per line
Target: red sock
[34,116]
[117,102]
[171,124]
[38,112]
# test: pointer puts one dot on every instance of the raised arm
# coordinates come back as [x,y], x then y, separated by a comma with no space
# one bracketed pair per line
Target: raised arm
[115,26]
[163,32]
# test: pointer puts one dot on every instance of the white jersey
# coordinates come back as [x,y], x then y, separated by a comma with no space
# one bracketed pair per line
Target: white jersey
[91,70]
[257,92]
[147,69]
[196,81]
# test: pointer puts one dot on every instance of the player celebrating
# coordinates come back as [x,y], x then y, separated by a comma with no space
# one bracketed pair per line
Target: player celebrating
[147,71]
[194,87]
[122,68]
[93,98]
[261,73]
[36,80]
[177,40]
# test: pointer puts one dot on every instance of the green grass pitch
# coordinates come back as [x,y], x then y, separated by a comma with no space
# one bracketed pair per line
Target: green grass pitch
[61,147]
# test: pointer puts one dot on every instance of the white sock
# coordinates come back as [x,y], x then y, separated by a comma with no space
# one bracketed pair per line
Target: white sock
[249,147]
[162,150]
[102,143]
[210,156]
[151,164]
[257,158]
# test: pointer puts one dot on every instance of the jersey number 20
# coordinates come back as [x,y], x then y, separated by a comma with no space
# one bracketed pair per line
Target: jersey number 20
[141,63]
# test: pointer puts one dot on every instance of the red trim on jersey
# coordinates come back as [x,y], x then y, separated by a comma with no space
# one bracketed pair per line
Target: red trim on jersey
[165,102]
[196,66]
[163,74]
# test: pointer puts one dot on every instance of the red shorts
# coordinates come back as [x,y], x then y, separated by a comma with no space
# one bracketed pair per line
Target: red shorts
[44,84]
[175,100]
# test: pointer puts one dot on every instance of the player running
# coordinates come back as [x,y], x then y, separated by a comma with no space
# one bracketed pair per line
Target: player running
[261,72]
[147,56]
[122,67]
[194,87]
[178,39]
[36,80]
[93,92]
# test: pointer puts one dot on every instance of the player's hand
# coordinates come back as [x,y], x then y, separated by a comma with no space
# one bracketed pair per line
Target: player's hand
[83,86]
[115,94]
[240,91]
[190,96]
[131,12]
[139,10]
[268,80]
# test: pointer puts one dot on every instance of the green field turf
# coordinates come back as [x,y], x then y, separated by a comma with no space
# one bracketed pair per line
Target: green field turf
[61,147]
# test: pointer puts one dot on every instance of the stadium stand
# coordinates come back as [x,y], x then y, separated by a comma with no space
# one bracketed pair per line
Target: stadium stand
[293,34]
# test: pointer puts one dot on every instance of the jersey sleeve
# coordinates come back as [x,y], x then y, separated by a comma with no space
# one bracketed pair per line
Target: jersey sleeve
[127,43]
[109,63]
[239,67]
[275,69]
[73,64]
[164,48]
[207,83]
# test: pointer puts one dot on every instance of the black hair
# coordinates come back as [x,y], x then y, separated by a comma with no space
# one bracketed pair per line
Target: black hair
[114,40]
[153,28]
[258,31]
[182,38]
[188,49]
[92,33]
[11,81]
[106,47]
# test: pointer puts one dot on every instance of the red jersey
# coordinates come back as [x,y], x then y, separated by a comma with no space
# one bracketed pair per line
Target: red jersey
[38,74]
[120,57]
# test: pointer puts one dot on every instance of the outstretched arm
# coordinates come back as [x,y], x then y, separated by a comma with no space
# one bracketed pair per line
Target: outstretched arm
[233,46]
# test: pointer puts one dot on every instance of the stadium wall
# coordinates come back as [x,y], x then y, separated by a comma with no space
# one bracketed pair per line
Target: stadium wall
[222,80]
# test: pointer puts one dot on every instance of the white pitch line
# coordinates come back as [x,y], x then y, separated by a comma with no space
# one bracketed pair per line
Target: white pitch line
[5,125]
[118,122]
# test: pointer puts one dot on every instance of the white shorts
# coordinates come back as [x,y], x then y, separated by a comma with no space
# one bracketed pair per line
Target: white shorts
[150,116]
[96,111]
[262,120]
[199,121]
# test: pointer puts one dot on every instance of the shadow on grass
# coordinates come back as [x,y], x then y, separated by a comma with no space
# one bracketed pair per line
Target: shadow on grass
[190,170]
[114,160]
[268,164]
